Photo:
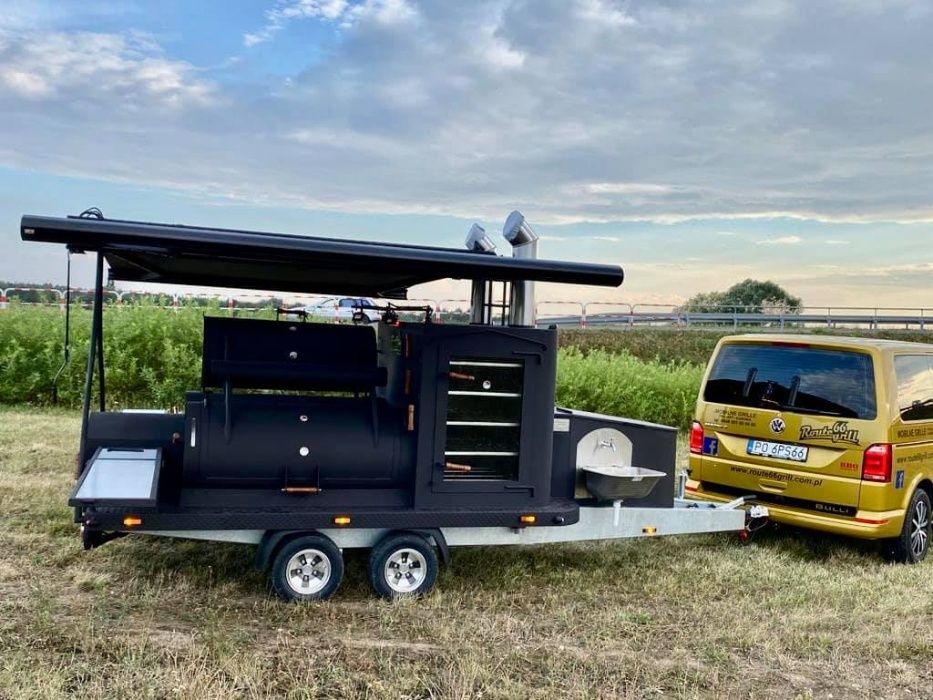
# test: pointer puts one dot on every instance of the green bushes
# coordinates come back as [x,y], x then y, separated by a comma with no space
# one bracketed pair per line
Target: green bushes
[620,384]
[664,345]
[695,345]
[152,355]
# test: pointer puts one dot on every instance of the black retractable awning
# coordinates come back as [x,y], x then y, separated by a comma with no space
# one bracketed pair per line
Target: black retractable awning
[192,255]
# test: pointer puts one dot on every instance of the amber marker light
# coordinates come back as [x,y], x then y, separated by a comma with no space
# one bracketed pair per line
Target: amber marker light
[528,519]
[649,530]
[342,520]
[132,521]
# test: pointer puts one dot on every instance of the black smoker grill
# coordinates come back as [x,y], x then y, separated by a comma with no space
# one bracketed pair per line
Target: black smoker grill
[407,437]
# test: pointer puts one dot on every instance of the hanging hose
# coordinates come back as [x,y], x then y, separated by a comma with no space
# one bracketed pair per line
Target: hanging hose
[91,213]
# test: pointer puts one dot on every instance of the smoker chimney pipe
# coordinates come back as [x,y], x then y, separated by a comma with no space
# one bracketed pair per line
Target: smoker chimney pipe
[479,242]
[524,242]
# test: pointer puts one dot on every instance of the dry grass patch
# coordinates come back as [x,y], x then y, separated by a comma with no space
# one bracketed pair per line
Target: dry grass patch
[794,614]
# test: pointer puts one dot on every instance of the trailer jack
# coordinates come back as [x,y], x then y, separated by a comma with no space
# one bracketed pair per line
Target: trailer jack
[92,538]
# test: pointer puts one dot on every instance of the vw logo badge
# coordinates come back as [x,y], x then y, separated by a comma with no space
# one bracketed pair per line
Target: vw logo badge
[777,425]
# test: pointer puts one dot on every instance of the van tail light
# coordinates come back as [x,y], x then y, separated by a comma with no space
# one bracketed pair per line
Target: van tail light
[876,465]
[696,438]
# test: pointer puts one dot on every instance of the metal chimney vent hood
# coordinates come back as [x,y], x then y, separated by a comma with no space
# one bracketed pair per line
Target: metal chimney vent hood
[524,240]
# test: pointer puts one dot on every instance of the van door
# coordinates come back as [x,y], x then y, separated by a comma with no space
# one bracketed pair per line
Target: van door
[790,422]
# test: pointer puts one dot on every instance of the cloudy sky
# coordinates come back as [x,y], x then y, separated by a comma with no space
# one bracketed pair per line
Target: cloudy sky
[696,143]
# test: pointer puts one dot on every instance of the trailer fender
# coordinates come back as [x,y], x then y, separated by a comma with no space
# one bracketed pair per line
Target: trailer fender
[431,534]
[440,542]
[270,543]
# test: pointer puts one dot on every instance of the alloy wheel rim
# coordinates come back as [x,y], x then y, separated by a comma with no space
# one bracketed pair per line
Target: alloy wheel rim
[308,571]
[919,529]
[405,570]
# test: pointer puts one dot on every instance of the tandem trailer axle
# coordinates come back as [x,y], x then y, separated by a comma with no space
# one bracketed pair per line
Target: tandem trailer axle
[404,561]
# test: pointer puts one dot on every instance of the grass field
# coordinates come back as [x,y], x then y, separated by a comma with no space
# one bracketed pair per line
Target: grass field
[791,615]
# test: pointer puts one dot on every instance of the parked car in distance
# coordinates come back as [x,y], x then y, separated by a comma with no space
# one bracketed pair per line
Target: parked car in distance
[349,309]
[832,433]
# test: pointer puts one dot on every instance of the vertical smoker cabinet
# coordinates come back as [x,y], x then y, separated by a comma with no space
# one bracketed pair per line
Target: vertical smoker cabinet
[485,415]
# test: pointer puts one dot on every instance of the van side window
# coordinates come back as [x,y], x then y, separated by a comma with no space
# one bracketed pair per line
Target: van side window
[914,386]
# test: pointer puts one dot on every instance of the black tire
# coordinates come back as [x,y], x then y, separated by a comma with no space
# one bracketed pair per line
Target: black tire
[912,545]
[413,561]
[306,569]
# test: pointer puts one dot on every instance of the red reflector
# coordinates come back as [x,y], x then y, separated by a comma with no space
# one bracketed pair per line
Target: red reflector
[691,489]
[876,465]
[696,438]
[871,521]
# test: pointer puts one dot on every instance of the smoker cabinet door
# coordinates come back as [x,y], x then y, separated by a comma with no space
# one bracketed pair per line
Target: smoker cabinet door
[494,408]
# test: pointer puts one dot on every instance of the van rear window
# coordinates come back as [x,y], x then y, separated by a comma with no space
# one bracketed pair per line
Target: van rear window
[797,379]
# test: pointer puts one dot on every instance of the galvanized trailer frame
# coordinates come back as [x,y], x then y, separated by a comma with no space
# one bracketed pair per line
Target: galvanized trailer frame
[614,522]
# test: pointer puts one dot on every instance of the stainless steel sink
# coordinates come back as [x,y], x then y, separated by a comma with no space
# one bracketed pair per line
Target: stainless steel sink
[612,483]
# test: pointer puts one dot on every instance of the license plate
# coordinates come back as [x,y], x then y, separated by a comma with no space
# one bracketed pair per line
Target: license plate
[778,450]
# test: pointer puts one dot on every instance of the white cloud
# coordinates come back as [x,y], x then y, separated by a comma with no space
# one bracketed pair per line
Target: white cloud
[626,188]
[781,240]
[600,111]
[604,12]
[388,12]
[899,271]
[128,69]
[341,12]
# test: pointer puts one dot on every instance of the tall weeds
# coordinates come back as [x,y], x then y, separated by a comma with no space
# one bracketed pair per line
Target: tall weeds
[619,384]
[154,355]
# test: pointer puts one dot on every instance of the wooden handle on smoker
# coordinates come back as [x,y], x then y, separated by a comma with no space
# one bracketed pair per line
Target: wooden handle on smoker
[453,467]
[459,375]
[309,490]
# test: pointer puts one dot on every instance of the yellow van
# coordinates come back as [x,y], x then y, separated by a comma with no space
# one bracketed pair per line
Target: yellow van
[831,433]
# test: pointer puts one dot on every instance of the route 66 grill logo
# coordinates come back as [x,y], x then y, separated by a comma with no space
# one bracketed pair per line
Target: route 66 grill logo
[777,425]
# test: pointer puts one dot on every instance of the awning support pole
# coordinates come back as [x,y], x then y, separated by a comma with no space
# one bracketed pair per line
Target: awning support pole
[99,312]
[93,346]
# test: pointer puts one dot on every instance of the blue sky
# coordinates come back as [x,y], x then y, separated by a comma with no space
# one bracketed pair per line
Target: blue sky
[694,144]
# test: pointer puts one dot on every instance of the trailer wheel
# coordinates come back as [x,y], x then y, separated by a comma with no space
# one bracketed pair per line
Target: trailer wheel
[403,565]
[306,569]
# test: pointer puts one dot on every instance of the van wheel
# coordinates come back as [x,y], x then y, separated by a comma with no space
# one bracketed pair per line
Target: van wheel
[911,546]
[307,568]
[403,565]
